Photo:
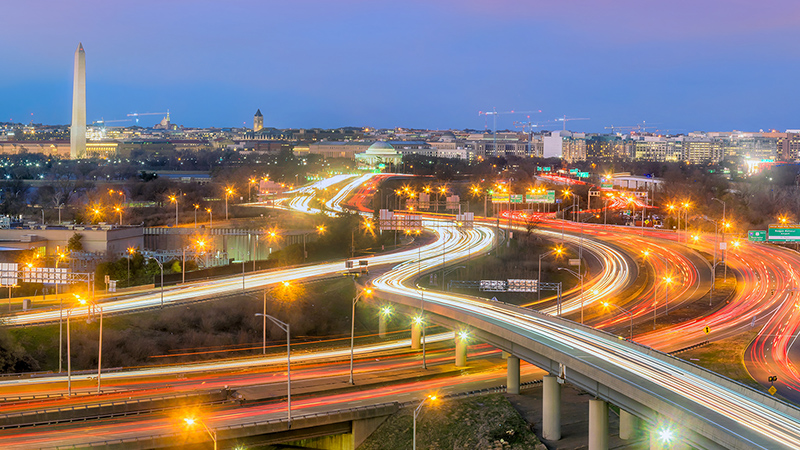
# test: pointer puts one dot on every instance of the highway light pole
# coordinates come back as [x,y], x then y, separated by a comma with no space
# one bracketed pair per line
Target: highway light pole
[285,327]
[213,433]
[160,266]
[556,250]
[580,278]
[607,304]
[645,254]
[366,291]
[432,398]
[713,267]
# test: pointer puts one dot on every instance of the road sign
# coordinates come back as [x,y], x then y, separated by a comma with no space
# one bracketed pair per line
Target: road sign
[784,232]
[607,186]
[547,197]
[583,174]
[500,198]
[707,330]
[516,198]
[772,390]
[723,245]
[757,235]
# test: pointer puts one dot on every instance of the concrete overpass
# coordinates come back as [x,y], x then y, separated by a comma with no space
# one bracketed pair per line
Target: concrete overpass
[701,408]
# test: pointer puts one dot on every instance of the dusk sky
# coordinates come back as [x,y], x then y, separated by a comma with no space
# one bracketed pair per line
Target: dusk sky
[682,65]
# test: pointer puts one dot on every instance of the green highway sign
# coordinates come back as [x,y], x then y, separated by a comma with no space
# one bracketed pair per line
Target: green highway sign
[583,174]
[516,198]
[547,169]
[757,235]
[784,232]
[573,170]
[547,197]
[607,186]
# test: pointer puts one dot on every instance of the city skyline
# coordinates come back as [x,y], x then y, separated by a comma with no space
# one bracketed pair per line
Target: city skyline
[681,67]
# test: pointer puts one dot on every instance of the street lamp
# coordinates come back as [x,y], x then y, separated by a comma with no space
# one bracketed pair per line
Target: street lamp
[579,276]
[285,327]
[607,304]
[196,207]
[210,218]
[432,398]
[174,199]
[160,266]
[118,209]
[131,252]
[285,285]
[88,303]
[190,421]
[228,192]
[366,291]
[558,251]
[667,281]
[250,184]
[645,254]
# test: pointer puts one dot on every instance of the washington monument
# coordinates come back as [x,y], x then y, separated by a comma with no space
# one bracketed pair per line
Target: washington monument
[77,132]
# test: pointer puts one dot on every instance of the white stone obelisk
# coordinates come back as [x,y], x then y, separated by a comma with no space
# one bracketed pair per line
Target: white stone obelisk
[77,132]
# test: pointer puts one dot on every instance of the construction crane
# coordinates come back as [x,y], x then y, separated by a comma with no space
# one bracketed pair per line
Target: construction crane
[495,113]
[136,115]
[566,119]
[530,126]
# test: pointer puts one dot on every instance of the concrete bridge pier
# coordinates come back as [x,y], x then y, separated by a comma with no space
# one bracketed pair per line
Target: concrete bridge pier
[512,365]
[628,425]
[461,351]
[598,425]
[416,335]
[551,408]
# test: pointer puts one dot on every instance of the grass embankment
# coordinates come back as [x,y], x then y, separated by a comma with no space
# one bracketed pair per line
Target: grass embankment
[485,422]
[725,357]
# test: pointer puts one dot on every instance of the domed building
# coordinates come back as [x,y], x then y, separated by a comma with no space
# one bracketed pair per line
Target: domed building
[378,156]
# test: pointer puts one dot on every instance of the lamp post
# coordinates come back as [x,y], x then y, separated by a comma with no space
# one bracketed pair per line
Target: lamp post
[196,207]
[645,254]
[667,281]
[174,199]
[366,291]
[210,218]
[579,276]
[118,209]
[285,327]
[558,251]
[250,184]
[100,339]
[607,304]
[285,285]
[713,267]
[212,433]
[432,398]
[160,266]
[228,192]
[131,252]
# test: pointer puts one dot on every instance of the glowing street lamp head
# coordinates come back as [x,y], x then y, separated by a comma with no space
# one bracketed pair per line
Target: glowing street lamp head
[321,229]
[646,253]
[189,421]
[173,198]
[433,397]
[367,291]
[131,250]
[668,280]
[386,311]
[605,304]
[418,320]
[463,335]
[666,435]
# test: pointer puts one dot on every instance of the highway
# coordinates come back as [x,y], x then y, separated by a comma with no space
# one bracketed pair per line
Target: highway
[742,413]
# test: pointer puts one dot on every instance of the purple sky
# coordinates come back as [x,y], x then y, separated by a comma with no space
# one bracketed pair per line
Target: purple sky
[683,65]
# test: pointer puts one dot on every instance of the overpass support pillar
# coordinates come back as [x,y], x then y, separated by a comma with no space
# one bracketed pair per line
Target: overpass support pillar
[512,385]
[381,324]
[628,425]
[416,335]
[551,408]
[598,425]
[461,351]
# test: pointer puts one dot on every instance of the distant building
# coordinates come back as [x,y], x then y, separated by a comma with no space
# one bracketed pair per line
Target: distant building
[338,149]
[379,155]
[258,121]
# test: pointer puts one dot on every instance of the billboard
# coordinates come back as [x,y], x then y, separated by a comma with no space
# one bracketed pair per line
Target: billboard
[784,233]
[8,274]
